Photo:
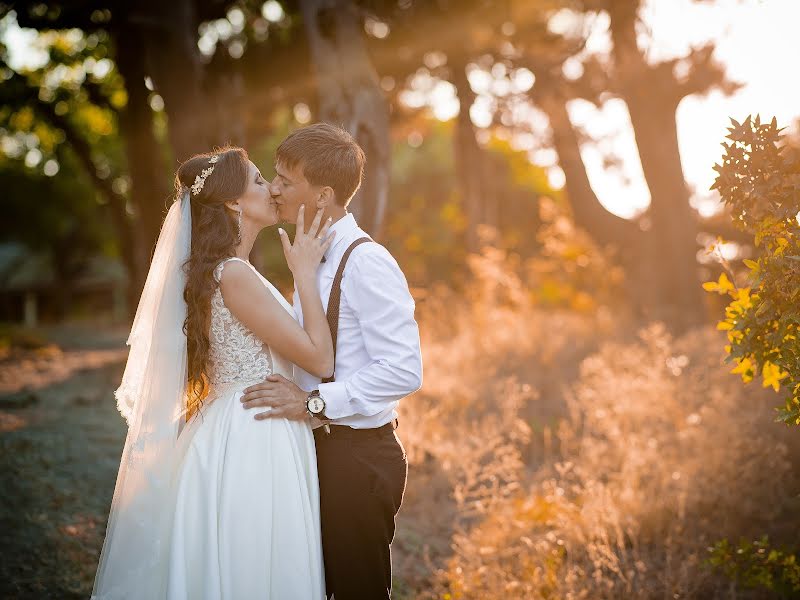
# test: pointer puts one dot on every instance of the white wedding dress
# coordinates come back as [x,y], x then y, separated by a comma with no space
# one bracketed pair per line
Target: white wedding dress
[247,522]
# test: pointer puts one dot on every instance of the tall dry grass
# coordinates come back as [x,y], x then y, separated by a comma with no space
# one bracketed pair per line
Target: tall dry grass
[557,454]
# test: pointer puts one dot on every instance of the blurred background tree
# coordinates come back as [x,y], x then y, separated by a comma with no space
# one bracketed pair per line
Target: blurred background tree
[128,90]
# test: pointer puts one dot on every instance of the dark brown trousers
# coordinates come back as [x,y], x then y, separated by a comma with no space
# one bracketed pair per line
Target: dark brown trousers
[362,477]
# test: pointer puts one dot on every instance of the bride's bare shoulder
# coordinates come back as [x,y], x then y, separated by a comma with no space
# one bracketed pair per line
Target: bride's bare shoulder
[242,285]
[236,275]
[232,267]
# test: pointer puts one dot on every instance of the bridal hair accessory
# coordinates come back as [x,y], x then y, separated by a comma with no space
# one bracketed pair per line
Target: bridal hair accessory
[200,180]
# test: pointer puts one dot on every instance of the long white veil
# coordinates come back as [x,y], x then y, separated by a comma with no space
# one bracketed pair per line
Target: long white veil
[151,398]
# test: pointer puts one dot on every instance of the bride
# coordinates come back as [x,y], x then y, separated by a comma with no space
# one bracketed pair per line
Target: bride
[209,502]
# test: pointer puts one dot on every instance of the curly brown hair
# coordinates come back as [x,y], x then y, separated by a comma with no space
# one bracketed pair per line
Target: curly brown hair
[214,237]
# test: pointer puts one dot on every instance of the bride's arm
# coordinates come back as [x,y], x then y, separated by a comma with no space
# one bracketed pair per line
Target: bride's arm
[254,305]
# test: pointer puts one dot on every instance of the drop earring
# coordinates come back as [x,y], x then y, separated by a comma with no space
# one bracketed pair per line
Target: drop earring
[239,225]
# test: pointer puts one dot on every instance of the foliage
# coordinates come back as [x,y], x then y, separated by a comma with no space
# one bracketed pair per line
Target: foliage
[488,350]
[531,479]
[78,90]
[50,204]
[759,181]
[758,565]
[426,221]
[571,270]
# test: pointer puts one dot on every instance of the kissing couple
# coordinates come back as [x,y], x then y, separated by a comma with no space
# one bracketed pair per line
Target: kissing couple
[261,460]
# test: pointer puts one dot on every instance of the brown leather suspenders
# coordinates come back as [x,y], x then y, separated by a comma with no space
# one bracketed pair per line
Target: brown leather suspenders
[335,299]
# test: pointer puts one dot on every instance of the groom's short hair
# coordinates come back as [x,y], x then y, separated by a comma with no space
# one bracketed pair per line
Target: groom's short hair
[328,155]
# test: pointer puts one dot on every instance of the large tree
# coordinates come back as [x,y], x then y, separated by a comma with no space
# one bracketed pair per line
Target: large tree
[72,124]
[652,92]
[331,55]
[144,45]
[350,96]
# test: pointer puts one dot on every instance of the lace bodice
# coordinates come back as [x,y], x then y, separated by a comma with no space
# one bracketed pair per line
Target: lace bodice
[236,354]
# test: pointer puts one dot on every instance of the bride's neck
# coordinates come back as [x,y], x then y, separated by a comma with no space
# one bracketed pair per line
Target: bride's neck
[245,247]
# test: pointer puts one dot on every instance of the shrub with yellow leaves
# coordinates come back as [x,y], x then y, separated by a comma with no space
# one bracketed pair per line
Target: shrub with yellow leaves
[759,180]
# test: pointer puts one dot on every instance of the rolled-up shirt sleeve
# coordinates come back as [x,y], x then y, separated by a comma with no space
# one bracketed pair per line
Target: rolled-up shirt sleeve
[377,291]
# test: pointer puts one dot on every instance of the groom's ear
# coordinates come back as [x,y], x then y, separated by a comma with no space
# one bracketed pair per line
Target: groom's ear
[326,197]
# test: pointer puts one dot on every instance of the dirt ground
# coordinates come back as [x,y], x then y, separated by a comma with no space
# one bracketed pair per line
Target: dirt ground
[60,444]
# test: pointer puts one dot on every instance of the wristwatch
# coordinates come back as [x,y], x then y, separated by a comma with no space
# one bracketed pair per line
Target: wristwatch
[315,405]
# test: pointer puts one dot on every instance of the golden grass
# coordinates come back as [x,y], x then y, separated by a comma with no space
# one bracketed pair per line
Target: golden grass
[556,454]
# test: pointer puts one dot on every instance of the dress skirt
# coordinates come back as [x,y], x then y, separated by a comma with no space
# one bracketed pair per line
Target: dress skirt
[247,521]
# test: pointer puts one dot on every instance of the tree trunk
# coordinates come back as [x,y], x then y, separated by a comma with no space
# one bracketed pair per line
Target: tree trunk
[605,227]
[174,63]
[127,234]
[148,189]
[651,95]
[227,96]
[674,225]
[349,96]
[470,164]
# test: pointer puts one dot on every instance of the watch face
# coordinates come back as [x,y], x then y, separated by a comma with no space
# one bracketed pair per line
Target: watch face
[316,404]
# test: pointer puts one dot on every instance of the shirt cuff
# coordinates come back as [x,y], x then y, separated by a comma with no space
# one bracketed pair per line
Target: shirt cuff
[337,402]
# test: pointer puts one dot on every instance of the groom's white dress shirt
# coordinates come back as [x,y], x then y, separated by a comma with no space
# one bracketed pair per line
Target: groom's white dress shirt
[378,358]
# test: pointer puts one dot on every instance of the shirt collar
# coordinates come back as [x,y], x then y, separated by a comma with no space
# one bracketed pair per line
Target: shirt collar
[344,228]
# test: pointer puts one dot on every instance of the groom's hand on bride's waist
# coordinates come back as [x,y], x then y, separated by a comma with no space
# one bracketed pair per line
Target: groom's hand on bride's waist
[282,397]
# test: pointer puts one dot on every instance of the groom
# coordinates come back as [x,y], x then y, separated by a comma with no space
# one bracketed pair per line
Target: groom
[362,465]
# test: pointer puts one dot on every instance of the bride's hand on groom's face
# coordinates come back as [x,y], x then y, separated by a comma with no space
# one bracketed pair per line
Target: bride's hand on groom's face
[305,253]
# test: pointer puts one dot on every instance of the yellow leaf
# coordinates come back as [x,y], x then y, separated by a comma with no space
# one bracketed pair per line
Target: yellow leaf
[751,263]
[772,375]
[742,301]
[744,367]
[782,244]
[735,336]
[722,286]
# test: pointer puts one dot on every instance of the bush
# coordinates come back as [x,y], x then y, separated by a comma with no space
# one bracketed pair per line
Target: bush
[558,454]
[759,180]
[658,458]
[758,565]
[495,362]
